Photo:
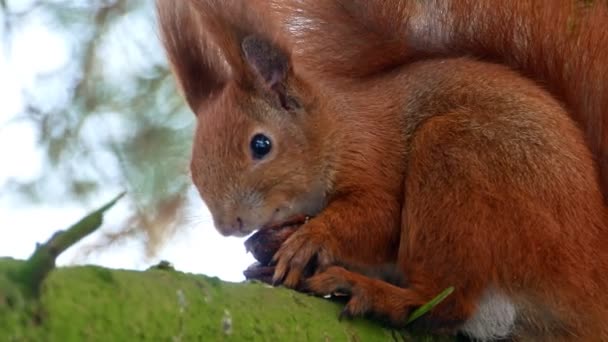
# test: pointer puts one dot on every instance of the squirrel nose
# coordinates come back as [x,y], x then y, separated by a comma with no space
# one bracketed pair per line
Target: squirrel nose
[232,227]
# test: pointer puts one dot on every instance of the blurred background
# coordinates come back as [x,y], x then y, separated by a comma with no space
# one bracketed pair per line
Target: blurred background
[88,109]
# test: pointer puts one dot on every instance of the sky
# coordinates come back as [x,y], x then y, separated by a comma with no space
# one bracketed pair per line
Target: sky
[197,249]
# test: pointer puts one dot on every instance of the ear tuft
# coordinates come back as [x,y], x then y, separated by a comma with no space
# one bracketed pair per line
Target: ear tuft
[269,63]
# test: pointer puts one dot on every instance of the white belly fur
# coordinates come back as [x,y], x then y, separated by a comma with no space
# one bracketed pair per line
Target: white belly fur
[494,318]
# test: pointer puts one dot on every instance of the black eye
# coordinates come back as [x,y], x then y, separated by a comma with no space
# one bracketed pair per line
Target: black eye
[260,146]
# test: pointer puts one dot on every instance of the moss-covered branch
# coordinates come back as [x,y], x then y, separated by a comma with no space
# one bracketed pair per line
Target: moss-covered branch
[96,304]
[39,302]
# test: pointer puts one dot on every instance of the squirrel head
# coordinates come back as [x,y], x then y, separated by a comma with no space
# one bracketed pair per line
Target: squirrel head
[256,157]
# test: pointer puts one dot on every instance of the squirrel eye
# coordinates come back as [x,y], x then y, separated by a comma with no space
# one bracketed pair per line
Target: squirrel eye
[260,146]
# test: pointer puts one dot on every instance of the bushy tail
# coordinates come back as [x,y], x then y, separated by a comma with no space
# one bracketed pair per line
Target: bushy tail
[349,38]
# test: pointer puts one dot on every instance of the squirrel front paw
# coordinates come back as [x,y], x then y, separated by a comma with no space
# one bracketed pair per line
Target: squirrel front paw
[367,297]
[338,281]
[310,246]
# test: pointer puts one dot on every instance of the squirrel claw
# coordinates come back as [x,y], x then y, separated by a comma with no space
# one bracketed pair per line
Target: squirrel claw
[345,314]
[299,253]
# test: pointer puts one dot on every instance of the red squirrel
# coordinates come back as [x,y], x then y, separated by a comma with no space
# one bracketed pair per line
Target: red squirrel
[460,140]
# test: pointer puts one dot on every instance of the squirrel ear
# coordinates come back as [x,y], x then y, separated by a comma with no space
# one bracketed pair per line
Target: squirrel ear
[271,66]
[267,61]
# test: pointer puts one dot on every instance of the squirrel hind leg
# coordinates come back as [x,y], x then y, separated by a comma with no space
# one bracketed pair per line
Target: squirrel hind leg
[473,225]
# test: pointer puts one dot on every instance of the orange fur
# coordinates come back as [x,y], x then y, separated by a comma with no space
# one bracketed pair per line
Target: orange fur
[395,125]
[561,44]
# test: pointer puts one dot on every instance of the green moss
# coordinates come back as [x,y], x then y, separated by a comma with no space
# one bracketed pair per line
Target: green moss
[17,312]
[96,304]
[169,306]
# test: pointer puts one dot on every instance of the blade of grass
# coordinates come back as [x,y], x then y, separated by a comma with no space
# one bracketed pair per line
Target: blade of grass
[430,304]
